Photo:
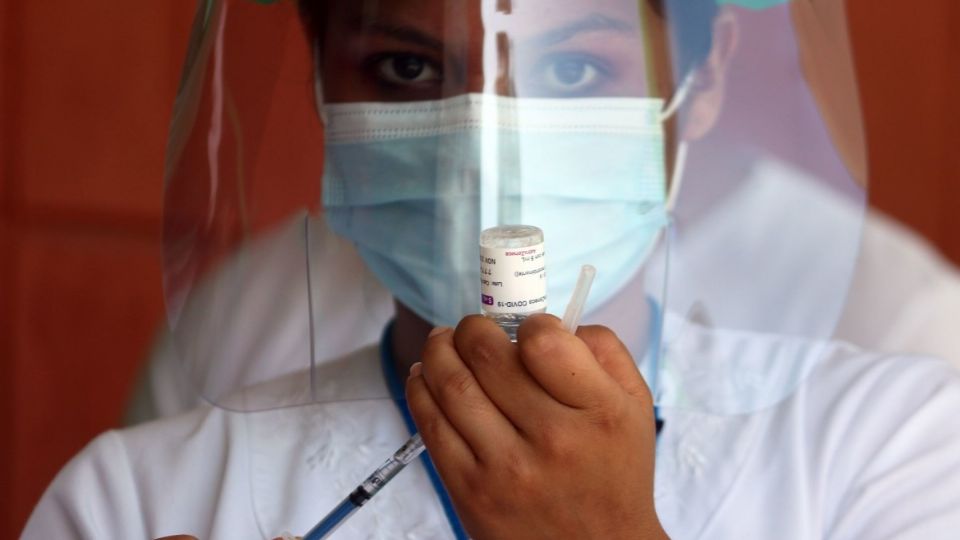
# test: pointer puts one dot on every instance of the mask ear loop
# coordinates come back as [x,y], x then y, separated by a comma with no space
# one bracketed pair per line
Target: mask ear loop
[656,312]
[679,166]
[678,99]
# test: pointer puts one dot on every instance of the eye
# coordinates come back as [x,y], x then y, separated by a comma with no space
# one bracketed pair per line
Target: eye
[406,69]
[571,75]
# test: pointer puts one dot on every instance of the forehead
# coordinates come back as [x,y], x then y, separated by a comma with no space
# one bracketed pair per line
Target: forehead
[516,17]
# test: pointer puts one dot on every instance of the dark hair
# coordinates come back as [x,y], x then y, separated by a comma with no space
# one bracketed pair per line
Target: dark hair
[691,25]
[311,14]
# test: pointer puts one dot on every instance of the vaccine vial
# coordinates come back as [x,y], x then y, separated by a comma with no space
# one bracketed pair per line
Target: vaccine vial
[513,277]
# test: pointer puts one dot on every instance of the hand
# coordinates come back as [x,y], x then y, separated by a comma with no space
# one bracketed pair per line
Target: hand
[552,437]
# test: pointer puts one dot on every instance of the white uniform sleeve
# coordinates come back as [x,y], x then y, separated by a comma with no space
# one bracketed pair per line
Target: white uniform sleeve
[907,484]
[927,323]
[904,297]
[94,496]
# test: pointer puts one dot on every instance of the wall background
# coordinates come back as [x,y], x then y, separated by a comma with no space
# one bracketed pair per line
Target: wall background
[907,63]
[86,90]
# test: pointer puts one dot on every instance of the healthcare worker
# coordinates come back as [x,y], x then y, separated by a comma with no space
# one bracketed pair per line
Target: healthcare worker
[904,298]
[711,404]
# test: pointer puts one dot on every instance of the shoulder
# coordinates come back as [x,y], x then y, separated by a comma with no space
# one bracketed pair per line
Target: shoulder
[193,473]
[80,502]
[884,435]
[880,385]
[905,297]
[139,482]
[855,395]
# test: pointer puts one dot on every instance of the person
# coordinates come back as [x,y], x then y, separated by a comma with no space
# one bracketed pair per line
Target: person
[742,419]
[895,268]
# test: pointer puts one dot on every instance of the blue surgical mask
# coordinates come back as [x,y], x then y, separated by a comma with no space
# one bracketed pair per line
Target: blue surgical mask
[413,184]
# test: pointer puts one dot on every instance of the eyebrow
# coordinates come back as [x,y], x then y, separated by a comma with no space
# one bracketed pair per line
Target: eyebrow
[406,34]
[591,23]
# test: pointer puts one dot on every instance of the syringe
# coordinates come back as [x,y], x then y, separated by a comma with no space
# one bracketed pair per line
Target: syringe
[366,490]
[414,447]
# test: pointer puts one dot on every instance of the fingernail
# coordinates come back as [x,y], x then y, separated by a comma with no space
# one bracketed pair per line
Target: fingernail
[437,331]
[415,369]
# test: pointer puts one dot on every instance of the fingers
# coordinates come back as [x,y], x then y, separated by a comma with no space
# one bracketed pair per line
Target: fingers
[445,443]
[563,364]
[614,357]
[495,362]
[460,398]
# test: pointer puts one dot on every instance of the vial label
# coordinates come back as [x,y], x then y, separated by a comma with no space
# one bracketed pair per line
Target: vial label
[513,280]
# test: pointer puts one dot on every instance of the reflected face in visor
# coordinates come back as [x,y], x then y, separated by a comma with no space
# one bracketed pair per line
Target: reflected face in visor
[409,50]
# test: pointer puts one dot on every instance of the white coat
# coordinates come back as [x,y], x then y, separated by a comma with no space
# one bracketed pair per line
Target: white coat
[868,447]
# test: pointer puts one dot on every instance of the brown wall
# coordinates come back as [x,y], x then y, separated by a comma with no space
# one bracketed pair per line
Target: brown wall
[85,95]
[85,101]
[908,60]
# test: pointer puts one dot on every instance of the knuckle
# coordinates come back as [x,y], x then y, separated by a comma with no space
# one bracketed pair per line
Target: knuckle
[603,421]
[558,445]
[603,340]
[456,385]
[536,323]
[479,352]
[476,484]
[541,343]
[473,338]
[469,326]
[482,499]
[608,419]
[496,486]
[432,428]
[519,473]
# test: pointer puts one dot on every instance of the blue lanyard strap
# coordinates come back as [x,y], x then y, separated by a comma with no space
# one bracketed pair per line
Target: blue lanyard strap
[398,395]
[654,348]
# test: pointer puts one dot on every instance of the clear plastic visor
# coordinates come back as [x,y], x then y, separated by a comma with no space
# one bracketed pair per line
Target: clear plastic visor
[706,159]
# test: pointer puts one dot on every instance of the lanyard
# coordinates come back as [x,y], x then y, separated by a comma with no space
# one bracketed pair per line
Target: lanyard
[397,393]
[654,349]
[388,366]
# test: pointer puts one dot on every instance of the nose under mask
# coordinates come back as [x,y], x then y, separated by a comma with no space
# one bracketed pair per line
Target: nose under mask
[414,184]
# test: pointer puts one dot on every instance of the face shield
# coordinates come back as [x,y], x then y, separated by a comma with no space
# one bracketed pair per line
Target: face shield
[329,157]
